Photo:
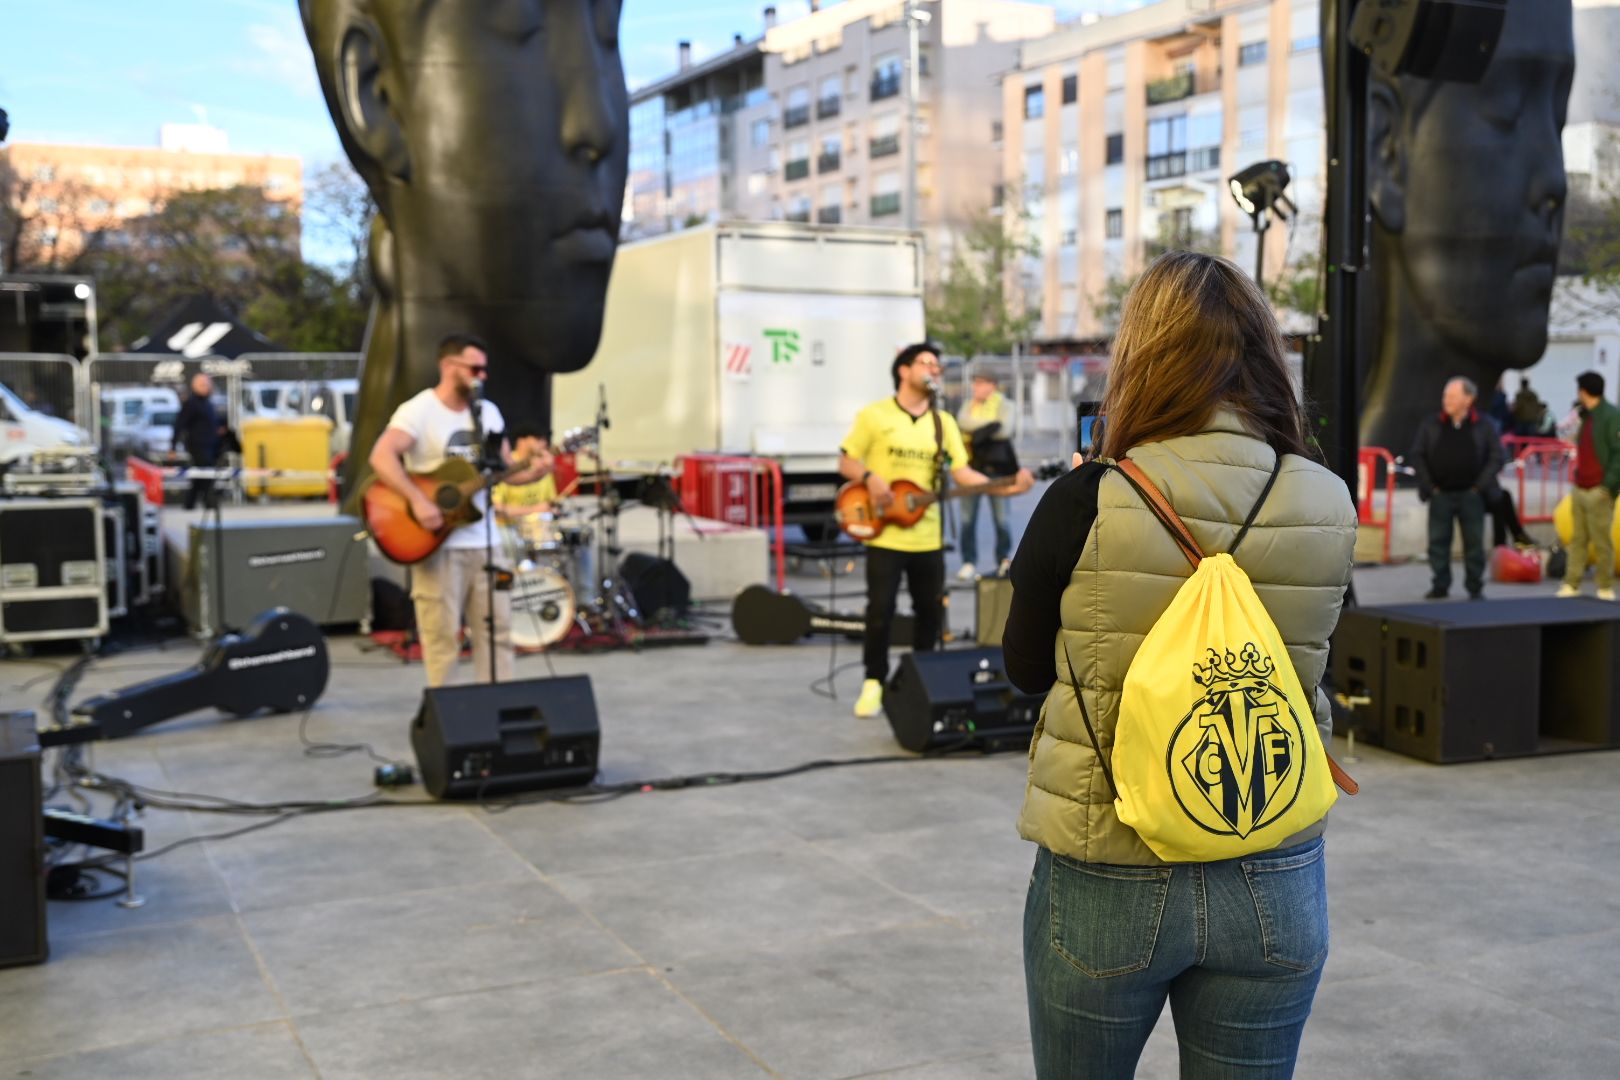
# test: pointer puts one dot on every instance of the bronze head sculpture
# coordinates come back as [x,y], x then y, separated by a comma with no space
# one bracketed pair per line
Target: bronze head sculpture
[1467,188]
[494,137]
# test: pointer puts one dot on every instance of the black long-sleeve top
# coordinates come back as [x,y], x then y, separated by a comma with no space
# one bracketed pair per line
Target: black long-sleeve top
[1041,570]
[196,427]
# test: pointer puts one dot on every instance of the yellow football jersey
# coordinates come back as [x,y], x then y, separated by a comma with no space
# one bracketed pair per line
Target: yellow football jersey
[898,446]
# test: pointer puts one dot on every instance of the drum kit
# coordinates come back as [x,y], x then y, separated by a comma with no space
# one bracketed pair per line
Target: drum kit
[552,553]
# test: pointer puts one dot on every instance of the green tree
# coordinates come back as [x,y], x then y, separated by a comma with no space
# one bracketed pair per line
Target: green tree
[981,306]
[1591,246]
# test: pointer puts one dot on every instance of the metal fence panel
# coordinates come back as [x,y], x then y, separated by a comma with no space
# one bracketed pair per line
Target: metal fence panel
[47,383]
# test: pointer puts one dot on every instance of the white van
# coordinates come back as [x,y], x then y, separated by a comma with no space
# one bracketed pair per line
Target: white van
[138,419]
[24,430]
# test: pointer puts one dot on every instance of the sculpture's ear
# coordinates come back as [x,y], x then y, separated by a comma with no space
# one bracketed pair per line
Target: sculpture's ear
[1386,157]
[365,88]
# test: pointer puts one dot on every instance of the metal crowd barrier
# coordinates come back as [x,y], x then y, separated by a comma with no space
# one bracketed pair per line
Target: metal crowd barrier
[742,491]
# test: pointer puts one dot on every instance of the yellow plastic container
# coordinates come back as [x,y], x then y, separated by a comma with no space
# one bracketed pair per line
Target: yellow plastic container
[300,443]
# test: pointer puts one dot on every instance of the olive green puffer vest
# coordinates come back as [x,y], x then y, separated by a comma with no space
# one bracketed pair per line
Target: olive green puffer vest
[1298,554]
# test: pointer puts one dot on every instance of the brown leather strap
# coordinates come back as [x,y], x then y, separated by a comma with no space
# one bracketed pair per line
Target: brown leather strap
[1347,784]
[1163,511]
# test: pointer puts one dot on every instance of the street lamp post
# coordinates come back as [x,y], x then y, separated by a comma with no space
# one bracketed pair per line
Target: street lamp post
[916,19]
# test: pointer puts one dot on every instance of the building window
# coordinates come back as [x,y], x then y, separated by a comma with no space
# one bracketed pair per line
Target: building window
[797,110]
[758,182]
[886,194]
[1034,102]
[886,76]
[885,136]
[1114,224]
[995,131]
[1308,43]
[831,155]
[829,98]
[1115,152]
[761,133]
[798,208]
[1167,147]
[1071,89]
[1252,53]
[798,161]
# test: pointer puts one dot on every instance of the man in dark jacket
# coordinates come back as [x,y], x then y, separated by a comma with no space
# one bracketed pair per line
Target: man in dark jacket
[1597,479]
[1457,457]
[199,428]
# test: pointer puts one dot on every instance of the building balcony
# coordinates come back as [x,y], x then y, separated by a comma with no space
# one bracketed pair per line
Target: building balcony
[1174,88]
[830,215]
[884,146]
[885,86]
[801,216]
[797,116]
[885,205]
[796,170]
[1203,159]
[828,163]
[828,106]
[1164,166]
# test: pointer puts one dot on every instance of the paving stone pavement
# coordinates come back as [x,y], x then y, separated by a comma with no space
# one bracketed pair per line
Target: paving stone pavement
[856,922]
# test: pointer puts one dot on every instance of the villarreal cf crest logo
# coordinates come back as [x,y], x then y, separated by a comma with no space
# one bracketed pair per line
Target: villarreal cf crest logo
[1237,760]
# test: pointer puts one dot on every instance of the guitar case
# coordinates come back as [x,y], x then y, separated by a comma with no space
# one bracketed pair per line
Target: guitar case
[762,616]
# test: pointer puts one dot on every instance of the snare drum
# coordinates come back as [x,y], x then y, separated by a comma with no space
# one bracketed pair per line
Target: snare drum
[543,606]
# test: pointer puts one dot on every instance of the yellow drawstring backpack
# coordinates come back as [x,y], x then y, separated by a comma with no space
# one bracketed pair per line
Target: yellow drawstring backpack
[1216,753]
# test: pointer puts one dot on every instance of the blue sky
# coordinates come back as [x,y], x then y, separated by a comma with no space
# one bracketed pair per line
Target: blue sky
[109,72]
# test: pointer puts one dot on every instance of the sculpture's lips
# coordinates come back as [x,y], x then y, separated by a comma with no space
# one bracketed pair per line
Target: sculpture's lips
[586,245]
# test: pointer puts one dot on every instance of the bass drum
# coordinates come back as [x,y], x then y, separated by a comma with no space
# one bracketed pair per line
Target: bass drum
[543,607]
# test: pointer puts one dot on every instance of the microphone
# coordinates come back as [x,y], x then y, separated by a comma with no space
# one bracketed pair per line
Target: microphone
[934,388]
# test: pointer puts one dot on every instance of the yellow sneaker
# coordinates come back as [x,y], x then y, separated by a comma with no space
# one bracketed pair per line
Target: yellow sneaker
[870,703]
[1566,591]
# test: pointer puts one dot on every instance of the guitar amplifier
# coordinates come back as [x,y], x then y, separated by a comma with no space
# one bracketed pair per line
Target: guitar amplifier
[959,699]
[52,569]
[492,739]
[313,566]
[22,843]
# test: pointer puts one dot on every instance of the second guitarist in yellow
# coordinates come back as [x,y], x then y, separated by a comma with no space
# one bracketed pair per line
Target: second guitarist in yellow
[904,438]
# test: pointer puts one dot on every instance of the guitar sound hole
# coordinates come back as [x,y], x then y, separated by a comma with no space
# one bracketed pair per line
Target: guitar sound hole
[446,497]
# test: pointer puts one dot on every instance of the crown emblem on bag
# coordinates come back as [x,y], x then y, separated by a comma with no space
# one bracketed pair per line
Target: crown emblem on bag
[1229,672]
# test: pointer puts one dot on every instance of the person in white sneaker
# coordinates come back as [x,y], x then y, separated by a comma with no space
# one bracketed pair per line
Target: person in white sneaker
[986,423]
[906,437]
[1597,479]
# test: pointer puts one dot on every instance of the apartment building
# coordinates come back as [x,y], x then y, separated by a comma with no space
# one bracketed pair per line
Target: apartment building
[67,193]
[1121,132]
[829,130]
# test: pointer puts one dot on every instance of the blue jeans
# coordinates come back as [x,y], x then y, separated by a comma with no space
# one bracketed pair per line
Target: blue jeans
[1237,946]
[1467,508]
[999,510]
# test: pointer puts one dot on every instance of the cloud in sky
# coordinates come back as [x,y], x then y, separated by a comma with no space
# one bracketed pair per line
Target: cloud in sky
[281,53]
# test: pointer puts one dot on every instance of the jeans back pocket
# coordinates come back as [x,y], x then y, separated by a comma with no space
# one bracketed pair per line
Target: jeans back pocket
[1290,899]
[1105,918]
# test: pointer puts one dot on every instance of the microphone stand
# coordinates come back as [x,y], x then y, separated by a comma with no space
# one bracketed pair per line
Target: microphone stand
[486,469]
[945,517]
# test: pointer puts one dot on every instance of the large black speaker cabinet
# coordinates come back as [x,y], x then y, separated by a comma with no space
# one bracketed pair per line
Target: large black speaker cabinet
[484,740]
[960,698]
[1504,678]
[22,843]
[657,584]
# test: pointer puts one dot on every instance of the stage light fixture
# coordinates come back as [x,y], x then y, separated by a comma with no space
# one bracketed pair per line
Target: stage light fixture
[1259,192]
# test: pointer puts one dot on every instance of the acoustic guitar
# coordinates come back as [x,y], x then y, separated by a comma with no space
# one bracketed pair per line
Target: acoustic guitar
[858,515]
[451,486]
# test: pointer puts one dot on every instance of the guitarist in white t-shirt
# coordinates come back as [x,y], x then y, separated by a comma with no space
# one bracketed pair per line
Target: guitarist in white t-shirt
[450,585]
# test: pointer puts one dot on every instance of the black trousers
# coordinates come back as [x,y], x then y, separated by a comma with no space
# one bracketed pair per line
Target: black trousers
[924,572]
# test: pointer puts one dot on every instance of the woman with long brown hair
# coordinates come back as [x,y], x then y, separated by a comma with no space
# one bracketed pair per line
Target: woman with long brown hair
[1200,399]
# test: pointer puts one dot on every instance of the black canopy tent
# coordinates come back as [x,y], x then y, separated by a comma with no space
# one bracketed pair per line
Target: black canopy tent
[199,327]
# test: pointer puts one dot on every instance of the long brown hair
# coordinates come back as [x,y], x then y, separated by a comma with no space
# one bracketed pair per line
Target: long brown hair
[1197,333]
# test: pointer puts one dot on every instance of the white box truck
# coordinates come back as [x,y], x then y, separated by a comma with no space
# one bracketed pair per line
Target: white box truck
[757,339]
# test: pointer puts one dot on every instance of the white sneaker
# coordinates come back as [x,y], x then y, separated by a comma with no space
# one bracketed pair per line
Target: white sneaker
[1605,594]
[1566,591]
[870,703]
[967,573]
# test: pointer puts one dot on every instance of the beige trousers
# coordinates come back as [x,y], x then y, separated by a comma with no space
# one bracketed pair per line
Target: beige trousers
[448,587]
[1594,525]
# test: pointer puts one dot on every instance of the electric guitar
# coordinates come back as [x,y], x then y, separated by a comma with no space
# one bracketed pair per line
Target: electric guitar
[451,486]
[860,518]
